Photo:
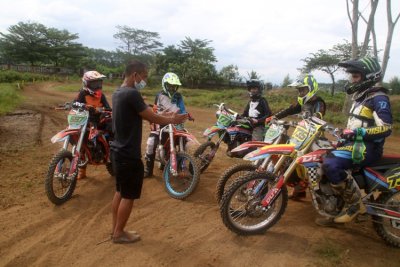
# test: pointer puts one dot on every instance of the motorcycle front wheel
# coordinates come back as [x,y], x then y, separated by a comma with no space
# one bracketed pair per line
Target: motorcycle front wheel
[59,186]
[183,184]
[241,208]
[205,154]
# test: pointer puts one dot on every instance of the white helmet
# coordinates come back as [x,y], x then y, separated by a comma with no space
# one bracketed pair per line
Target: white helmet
[170,83]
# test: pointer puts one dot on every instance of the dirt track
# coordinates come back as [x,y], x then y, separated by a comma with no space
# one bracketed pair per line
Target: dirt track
[174,233]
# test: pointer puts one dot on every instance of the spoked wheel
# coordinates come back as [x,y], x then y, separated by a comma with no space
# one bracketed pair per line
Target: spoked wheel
[205,154]
[229,176]
[387,228]
[241,208]
[59,185]
[185,182]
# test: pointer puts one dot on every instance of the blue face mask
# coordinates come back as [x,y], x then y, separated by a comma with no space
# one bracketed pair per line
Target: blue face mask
[140,85]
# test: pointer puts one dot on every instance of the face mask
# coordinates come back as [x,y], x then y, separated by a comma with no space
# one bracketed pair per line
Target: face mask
[141,84]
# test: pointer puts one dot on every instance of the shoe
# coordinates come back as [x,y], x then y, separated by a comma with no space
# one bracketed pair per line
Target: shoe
[352,198]
[299,191]
[81,173]
[325,222]
[296,195]
[126,238]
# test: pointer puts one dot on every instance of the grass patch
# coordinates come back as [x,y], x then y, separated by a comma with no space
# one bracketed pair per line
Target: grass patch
[331,252]
[10,97]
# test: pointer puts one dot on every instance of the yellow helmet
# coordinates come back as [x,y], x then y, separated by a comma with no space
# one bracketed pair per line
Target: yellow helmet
[170,83]
[309,83]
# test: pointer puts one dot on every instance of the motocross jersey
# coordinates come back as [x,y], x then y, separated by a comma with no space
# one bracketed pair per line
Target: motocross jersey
[372,113]
[257,109]
[85,97]
[315,106]
[163,103]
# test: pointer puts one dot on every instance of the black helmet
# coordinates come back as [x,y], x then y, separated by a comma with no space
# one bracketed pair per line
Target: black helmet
[253,83]
[369,69]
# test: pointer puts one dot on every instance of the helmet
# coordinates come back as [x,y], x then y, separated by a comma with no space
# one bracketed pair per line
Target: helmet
[253,83]
[369,69]
[170,83]
[93,82]
[309,84]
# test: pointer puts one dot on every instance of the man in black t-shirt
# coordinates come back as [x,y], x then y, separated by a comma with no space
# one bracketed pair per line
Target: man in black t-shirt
[128,111]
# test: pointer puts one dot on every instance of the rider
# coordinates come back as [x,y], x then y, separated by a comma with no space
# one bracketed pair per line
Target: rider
[257,108]
[369,123]
[91,94]
[167,100]
[307,101]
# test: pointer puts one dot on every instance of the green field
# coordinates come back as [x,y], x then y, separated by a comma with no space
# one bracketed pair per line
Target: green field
[10,97]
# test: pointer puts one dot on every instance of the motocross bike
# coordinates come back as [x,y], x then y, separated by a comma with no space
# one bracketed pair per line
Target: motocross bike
[230,129]
[83,143]
[181,174]
[276,134]
[261,199]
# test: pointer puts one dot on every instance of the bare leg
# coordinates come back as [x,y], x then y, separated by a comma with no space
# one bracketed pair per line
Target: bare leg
[115,204]
[123,213]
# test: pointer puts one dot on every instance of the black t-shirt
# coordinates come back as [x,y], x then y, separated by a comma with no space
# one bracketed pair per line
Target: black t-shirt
[127,103]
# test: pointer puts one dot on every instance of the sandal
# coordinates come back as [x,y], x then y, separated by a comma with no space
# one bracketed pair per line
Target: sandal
[126,238]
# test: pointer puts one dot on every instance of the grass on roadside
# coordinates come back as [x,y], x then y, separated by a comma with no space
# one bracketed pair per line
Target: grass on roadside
[10,97]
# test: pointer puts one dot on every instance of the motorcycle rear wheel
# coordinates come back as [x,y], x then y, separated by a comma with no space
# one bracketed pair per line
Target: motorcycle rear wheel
[241,209]
[202,154]
[58,185]
[183,185]
[388,229]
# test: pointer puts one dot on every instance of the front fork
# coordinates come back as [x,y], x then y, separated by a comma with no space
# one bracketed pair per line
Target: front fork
[173,162]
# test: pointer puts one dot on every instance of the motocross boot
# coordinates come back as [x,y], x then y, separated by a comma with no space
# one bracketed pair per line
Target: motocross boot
[352,197]
[81,173]
[149,166]
[299,191]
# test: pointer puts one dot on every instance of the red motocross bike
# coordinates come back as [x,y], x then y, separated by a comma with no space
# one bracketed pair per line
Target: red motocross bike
[84,142]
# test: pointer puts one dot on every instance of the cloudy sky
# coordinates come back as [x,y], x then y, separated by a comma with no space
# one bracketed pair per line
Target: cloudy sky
[270,37]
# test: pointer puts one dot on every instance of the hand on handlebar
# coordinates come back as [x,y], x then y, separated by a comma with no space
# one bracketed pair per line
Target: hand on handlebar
[348,134]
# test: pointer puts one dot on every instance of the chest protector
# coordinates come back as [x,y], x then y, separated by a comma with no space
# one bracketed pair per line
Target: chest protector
[361,113]
[93,101]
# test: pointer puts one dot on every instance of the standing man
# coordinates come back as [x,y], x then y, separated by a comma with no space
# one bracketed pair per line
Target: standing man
[128,111]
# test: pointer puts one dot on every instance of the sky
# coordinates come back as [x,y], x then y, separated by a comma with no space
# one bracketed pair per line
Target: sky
[270,37]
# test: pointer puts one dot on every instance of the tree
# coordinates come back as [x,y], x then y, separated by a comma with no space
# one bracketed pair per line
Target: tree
[354,18]
[25,42]
[394,84]
[136,41]
[253,75]
[230,73]
[327,60]
[198,58]
[286,81]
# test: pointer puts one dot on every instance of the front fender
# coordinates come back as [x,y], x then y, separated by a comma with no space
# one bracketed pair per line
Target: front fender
[282,149]
[61,136]
[187,135]
[211,131]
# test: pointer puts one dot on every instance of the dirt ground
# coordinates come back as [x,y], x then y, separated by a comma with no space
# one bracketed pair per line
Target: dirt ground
[34,232]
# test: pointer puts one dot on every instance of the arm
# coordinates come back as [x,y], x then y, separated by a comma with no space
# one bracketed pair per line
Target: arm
[80,97]
[105,102]
[149,115]
[382,117]
[293,109]
[265,112]
[319,108]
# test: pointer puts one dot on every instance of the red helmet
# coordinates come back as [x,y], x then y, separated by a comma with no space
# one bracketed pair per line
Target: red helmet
[93,82]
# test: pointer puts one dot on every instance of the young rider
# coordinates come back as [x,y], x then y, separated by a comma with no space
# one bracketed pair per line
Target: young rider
[369,123]
[307,101]
[257,108]
[91,94]
[167,100]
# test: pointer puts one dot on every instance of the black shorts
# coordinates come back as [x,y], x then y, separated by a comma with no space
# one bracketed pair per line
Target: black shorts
[128,175]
